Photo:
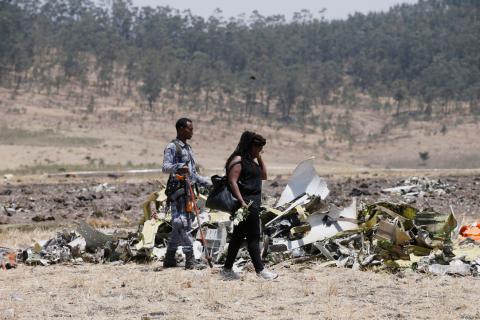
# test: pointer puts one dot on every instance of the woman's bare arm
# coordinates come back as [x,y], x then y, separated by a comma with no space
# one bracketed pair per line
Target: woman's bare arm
[233,175]
[263,167]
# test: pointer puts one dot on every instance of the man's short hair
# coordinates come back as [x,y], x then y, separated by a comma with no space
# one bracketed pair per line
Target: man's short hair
[182,123]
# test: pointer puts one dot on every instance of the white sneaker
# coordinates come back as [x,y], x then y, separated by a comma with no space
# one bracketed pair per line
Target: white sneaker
[267,275]
[229,274]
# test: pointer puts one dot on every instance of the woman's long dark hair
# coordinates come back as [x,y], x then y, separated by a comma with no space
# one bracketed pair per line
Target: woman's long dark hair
[244,147]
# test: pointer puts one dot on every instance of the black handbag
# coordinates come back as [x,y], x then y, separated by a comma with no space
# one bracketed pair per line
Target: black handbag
[221,198]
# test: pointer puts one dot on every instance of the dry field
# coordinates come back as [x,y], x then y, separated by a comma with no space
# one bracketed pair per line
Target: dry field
[40,133]
[307,291]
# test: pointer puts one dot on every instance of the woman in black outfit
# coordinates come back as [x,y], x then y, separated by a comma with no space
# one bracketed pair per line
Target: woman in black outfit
[245,177]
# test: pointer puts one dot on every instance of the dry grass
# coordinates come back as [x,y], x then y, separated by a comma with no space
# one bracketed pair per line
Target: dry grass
[68,167]
[132,291]
[61,138]
[306,291]
[100,222]
[47,137]
[17,238]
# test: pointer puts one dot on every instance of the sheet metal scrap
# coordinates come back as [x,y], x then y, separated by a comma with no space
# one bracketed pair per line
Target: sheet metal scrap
[419,187]
[94,238]
[148,233]
[438,263]
[323,225]
[439,224]
[155,202]
[55,250]
[216,239]
[90,245]
[304,180]
[378,235]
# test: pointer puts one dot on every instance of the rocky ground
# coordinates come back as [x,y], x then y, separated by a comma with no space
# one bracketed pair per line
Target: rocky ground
[120,202]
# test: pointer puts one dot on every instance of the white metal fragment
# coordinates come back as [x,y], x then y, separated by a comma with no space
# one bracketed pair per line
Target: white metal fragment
[400,190]
[77,246]
[459,268]
[323,228]
[303,180]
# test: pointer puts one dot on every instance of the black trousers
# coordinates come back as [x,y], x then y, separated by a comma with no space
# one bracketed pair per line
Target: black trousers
[250,229]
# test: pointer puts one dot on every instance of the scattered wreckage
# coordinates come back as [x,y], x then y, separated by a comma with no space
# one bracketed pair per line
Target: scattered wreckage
[302,225]
[419,187]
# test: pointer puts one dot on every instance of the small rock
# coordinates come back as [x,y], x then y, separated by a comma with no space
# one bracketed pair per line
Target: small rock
[6,192]
[8,314]
[39,218]
[85,198]
[15,297]
[357,193]
[158,269]
[9,211]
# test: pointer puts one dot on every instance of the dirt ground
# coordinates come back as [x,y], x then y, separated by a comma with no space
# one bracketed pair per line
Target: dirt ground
[118,203]
[301,292]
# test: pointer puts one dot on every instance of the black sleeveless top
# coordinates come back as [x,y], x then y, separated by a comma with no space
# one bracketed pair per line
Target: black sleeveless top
[250,181]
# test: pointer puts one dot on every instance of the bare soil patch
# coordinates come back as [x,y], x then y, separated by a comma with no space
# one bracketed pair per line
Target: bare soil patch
[119,202]
[302,291]
[47,137]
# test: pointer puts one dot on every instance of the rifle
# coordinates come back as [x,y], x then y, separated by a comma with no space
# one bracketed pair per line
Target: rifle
[191,207]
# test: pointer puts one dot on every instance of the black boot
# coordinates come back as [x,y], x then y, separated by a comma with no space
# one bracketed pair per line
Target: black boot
[191,263]
[169,261]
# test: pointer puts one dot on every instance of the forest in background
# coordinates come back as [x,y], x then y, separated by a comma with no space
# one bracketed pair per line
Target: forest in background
[421,58]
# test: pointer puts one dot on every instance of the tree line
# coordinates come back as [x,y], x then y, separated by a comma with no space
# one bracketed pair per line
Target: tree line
[425,54]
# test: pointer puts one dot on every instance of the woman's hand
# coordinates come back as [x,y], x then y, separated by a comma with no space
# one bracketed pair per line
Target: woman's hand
[263,168]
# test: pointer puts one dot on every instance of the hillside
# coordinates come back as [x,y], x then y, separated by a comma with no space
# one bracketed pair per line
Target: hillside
[40,134]
[422,57]
[91,87]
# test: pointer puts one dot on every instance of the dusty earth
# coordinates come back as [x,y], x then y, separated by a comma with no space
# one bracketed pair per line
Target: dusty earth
[302,292]
[118,203]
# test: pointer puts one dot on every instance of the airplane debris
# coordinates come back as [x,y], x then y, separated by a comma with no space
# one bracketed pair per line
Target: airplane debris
[304,225]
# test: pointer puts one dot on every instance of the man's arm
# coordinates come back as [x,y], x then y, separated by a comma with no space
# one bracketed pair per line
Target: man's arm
[203,181]
[169,165]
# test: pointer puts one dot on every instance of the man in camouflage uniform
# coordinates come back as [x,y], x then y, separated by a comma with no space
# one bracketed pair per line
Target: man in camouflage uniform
[179,159]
